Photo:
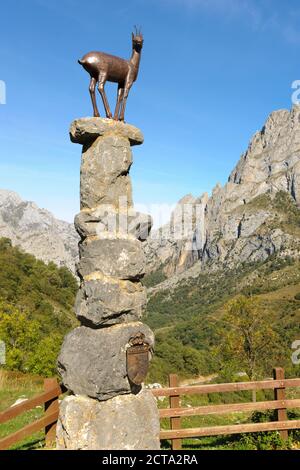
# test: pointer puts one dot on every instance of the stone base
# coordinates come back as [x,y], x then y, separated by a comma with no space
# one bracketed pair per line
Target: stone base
[93,362]
[128,422]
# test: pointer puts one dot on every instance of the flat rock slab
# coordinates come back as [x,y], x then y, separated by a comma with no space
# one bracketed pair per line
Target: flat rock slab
[120,258]
[106,301]
[128,422]
[86,130]
[103,220]
[93,362]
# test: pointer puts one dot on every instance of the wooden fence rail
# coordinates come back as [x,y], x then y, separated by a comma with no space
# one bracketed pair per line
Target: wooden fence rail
[50,401]
[175,412]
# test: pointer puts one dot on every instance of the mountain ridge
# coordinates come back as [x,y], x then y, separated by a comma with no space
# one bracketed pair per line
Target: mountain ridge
[228,226]
[37,231]
[231,226]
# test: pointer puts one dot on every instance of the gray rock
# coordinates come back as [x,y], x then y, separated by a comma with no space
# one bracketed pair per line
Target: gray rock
[123,423]
[119,258]
[86,130]
[104,172]
[272,153]
[139,225]
[37,231]
[109,220]
[231,228]
[93,362]
[107,194]
[105,301]
[173,246]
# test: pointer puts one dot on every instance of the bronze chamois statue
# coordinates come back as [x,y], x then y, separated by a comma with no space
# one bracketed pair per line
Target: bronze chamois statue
[103,67]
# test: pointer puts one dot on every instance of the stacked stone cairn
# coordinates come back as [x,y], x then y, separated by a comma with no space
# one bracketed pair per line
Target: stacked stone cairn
[105,408]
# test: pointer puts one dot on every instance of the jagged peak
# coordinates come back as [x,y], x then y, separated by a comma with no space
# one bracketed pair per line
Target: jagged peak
[7,196]
[187,199]
[272,149]
[216,189]
[12,198]
[36,230]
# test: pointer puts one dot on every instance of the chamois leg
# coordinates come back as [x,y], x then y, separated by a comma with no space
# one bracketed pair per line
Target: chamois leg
[119,100]
[93,96]
[125,96]
[102,80]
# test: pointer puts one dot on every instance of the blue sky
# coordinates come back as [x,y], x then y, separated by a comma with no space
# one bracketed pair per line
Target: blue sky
[211,72]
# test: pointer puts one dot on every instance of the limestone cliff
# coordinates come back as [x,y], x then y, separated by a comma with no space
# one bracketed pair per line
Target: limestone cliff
[237,223]
[240,222]
[37,231]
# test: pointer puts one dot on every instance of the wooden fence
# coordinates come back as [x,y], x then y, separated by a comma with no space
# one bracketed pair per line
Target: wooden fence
[175,412]
[48,422]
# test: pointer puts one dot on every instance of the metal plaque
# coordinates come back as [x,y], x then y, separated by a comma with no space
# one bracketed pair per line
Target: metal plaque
[138,359]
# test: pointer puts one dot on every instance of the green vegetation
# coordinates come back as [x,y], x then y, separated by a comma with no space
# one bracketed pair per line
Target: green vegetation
[36,310]
[13,386]
[232,324]
[155,277]
[284,213]
[250,441]
[188,320]
[36,303]
[248,338]
[191,317]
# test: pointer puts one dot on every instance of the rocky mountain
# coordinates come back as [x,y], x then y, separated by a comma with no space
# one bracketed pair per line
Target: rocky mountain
[244,221]
[37,231]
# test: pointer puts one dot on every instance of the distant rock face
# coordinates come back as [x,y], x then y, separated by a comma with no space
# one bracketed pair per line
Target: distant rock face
[229,227]
[272,160]
[176,247]
[37,231]
[225,228]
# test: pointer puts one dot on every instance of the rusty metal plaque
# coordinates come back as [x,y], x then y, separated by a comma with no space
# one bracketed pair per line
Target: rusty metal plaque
[137,360]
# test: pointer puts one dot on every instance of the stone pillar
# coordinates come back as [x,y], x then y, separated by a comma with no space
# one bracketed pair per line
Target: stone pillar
[108,408]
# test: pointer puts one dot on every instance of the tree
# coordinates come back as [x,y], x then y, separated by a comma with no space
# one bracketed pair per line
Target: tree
[36,309]
[27,349]
[20,335]
[248,339]
[44,358]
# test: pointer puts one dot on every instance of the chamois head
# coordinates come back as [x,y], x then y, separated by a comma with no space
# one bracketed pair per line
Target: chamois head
[137,39]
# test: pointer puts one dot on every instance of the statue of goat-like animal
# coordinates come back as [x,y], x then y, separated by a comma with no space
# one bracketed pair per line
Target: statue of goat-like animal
[103,67]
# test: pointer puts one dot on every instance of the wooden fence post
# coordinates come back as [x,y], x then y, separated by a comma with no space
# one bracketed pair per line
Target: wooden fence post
[279,394]
[175,403]
[50,407]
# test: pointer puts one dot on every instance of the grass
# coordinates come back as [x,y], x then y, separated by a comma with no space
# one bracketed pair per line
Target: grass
[14,385]
[250,441]
[188,314]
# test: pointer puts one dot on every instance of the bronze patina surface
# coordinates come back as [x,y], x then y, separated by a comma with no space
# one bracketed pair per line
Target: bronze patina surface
[138,359]
[103,67]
